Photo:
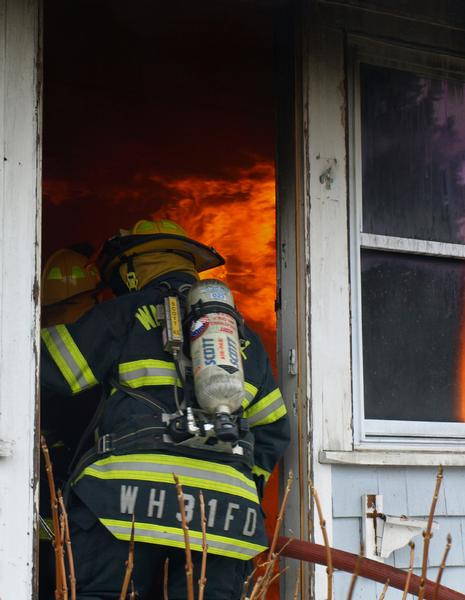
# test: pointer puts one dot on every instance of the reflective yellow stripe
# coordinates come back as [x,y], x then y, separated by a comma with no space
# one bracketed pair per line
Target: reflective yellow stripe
[68,358]
[146,363]
[263,403]
[160,468]
[60,361]
[271,417]
[195,482]
[153,380]
[267,410]
[140,373]
[250,392]
[261,472]
[174,537]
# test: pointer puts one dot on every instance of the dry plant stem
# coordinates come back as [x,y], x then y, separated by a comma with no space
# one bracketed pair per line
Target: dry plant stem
[267,579]
[272,580]
[329,559]
[129,565]
[256,588]
[385,588]
[355,575]
[263,583]
[203,568]
[247,584]
[165,579]
[297,588]
[442,566]
[410,570]
[132,595]
[57,547]
[69,549]
[280,515]
[62,557]
[185,528]
[427,534]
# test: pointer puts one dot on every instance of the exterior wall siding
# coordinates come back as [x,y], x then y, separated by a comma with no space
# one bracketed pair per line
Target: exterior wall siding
[406,491]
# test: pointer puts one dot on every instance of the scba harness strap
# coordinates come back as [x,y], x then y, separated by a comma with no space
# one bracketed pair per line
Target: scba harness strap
[167,431]
[155,433]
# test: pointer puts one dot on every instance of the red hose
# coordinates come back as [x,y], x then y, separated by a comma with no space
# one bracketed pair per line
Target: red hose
[369,569]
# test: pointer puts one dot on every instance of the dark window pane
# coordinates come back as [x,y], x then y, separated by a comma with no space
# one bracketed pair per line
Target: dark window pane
[413,155]
[413,322]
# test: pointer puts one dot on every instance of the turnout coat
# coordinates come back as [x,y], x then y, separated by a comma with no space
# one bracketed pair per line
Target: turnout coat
[130,469]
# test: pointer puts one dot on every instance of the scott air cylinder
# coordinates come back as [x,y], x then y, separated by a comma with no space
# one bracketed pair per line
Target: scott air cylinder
[216,353]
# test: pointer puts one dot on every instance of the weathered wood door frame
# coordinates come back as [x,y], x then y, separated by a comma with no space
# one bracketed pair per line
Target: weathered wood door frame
[20,91]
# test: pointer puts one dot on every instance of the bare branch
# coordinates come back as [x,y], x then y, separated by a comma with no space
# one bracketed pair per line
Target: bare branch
[329,558]
[262,584]
[297,587]
[385,588]
[442,566]
[165,579]
[129,565]
[355,575]
[280,515]
[203,568]
[272,580]
[427,534]
[132,595]
[57,546]
[69,549]
[185,528]
[410,570]
[247,583]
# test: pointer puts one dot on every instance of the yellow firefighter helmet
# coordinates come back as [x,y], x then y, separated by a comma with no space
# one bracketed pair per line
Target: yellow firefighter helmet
[147,237]
[65,275]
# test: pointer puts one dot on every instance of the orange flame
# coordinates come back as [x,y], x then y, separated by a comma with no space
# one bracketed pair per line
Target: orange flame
[237,217]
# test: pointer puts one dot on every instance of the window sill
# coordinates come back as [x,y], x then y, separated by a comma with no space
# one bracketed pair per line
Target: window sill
[398,458]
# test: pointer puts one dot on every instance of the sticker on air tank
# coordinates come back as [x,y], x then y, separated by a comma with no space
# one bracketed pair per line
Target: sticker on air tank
[217,350]
[198,327]
[222,322]
[215,292]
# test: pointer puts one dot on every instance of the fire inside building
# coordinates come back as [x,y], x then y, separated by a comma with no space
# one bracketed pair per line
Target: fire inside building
[165,110]
[337,124]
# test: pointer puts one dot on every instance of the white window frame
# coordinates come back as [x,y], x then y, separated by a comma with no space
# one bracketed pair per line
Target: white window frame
[370,432]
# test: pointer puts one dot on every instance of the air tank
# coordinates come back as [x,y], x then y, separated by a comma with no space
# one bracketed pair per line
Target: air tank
[215,347]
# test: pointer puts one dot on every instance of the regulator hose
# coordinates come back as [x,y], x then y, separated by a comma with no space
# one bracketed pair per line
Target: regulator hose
[369,569]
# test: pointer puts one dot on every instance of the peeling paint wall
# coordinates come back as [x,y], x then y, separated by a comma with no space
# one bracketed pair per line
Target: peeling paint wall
[19,242]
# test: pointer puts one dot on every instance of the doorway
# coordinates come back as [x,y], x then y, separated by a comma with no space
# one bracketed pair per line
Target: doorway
[166,110]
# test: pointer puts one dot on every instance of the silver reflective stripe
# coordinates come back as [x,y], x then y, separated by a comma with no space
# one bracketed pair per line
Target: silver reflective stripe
[162,536]
[267,410]
[68,358]
[214,477]
[249,396]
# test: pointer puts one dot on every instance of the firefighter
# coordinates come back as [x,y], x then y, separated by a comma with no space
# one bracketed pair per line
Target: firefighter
[144,433]
[69,288]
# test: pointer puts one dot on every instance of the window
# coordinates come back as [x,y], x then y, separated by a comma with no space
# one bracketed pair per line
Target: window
[408,246]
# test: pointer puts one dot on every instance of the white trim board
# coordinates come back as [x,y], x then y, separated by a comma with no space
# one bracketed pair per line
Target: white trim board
[398,458]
